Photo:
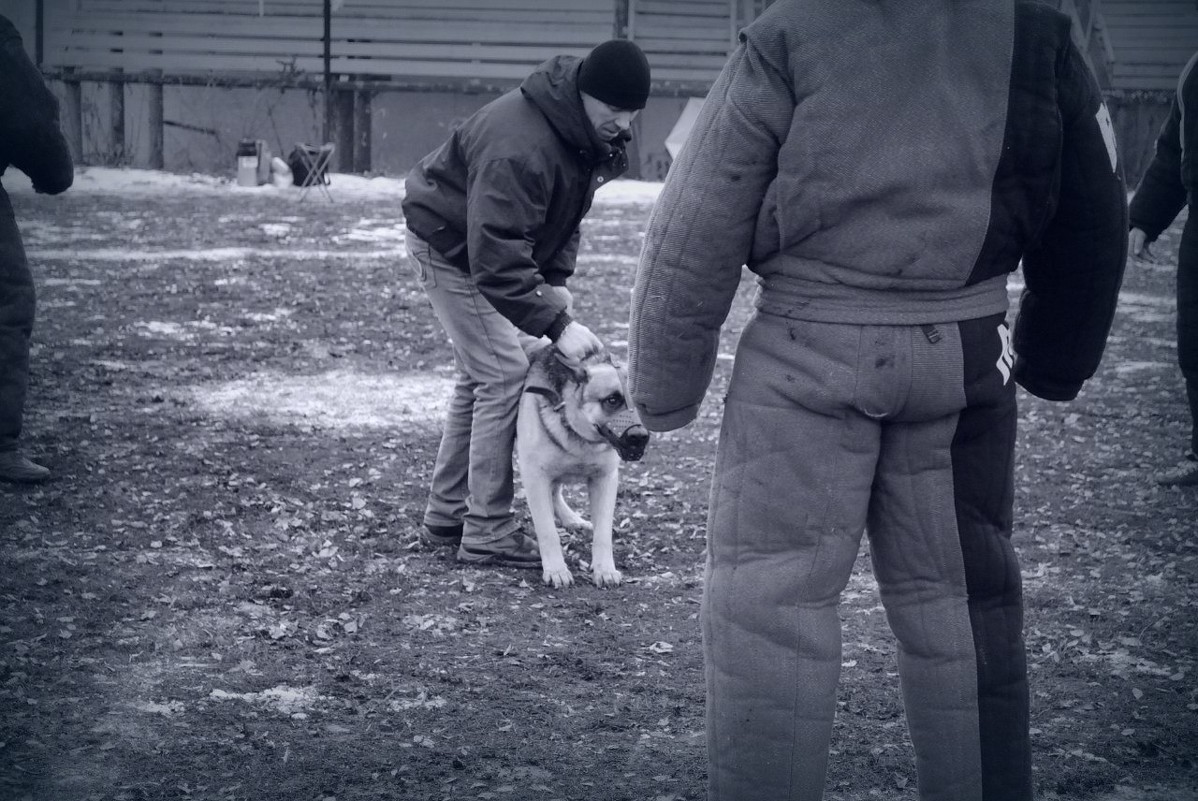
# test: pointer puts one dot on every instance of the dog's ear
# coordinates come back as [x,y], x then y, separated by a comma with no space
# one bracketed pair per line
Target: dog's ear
[539,380]
[599,357]
[562,372]
[549,375]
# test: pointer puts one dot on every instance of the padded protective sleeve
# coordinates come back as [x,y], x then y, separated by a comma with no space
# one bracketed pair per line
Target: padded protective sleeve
[1072,277]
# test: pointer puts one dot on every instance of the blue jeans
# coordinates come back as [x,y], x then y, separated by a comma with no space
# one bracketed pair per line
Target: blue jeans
[472,481]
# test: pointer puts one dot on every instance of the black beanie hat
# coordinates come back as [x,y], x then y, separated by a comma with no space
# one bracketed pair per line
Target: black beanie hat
[617,73]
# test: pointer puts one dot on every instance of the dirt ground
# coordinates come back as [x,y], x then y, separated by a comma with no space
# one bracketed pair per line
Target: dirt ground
[221,595]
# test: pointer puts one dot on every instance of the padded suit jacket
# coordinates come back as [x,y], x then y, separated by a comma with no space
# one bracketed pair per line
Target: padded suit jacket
[1172,177]
[504,196]
[30,139]
[888,162]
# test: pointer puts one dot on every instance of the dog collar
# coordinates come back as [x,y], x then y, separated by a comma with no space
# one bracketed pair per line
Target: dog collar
[555,400]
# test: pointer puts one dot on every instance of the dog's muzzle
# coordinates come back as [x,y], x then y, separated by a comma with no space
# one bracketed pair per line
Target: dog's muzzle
[627,434]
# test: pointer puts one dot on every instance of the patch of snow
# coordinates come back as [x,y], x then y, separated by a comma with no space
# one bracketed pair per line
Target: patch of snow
[154,708]
[71,282]
[180,331]
[138,182]
[174,330]
[1151,301]
[421,701]
[1135,367]
[269,317]
[112,364]
[374,231]
[275,229]
[336,399]
[629,191]
[282,698]
[223,255]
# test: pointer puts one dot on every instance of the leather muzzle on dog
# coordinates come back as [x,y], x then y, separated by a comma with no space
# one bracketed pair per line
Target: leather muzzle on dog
[627,435]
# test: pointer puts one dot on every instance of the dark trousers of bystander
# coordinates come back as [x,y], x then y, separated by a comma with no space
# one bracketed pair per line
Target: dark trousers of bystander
[1187,317]
[17,303]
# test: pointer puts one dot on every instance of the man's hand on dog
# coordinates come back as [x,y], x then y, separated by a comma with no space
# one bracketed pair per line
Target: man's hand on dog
[577,342]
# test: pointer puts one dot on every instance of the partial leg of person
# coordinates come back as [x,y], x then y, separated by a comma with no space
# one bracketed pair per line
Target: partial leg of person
[790,490]
[940,533]
[1187,347]
[449,487]
[17,305]
[1187,319]
[446,506]
[492,366]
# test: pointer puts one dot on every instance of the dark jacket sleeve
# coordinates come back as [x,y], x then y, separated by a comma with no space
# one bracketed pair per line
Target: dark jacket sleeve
[1072,276]
[564,261]
[504,212]
[30,138]
[1161,194]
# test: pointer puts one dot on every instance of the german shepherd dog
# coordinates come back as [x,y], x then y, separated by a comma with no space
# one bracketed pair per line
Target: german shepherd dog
[574,426]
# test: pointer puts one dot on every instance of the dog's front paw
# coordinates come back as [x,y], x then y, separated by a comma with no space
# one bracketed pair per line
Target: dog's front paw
[606,576]
[557,577]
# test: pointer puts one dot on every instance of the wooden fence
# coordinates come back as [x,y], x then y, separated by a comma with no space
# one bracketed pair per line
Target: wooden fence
[289,41]
[453,42]
[1150,41]
[351,50]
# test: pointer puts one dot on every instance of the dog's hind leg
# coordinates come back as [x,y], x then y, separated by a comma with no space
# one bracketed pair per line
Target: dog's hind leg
[565,514]
[602,490]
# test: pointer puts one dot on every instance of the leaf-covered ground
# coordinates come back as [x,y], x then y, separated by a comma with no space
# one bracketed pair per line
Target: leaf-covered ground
[221,596]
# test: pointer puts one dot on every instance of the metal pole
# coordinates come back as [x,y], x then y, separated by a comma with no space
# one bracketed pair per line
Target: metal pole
[328,70]
[156,127]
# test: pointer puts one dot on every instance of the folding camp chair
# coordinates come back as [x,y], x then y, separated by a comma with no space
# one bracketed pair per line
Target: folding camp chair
[310,166]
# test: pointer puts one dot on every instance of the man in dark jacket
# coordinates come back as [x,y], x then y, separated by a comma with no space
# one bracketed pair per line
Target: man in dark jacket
[493,230]
[881,167]
[31,141]
[1170,184]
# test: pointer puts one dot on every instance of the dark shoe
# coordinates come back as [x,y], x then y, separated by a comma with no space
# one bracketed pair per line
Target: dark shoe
[16,468]
[515,550]
[1184,476]
[441,536]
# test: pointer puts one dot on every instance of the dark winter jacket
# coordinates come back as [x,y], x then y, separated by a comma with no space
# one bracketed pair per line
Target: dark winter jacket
[888,163]
[504,196]
[30,139]
[1172,177]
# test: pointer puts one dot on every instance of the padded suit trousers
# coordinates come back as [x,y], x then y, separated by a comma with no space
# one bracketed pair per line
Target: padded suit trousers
[908,433]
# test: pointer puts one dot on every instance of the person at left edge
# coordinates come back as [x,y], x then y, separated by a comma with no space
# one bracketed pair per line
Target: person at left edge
[1168,185]
[493,232]
[31,141]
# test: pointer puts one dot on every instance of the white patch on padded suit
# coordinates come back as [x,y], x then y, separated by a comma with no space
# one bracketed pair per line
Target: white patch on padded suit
[1108,134]
[1006,354]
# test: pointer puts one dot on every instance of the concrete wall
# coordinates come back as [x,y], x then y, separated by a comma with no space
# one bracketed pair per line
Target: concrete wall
[407,125]
[203,125]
